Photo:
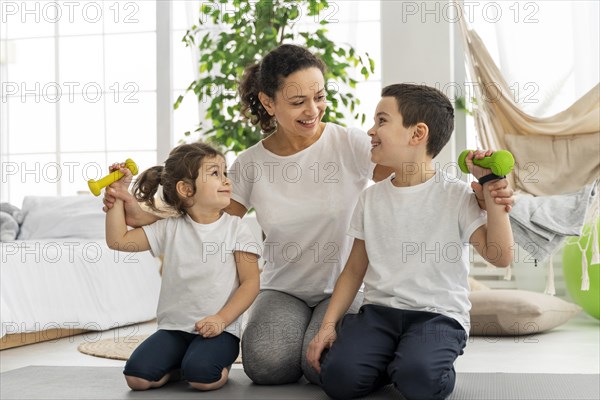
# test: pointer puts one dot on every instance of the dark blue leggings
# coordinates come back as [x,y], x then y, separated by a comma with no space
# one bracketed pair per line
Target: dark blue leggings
[200,360]
[414,350]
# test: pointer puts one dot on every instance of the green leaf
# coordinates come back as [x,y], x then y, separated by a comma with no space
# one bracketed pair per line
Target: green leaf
[177,102]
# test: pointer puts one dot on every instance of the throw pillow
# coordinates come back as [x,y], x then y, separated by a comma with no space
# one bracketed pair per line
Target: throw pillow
[517,312]
[55,217]
[10,219]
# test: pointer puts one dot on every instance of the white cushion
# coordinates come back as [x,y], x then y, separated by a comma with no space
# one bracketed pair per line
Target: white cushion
[62,217]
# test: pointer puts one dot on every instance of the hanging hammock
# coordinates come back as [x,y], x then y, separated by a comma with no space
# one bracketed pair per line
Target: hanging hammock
[554,155]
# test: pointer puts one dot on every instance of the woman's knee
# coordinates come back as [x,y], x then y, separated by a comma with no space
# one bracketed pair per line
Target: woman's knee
[271,359]
[272,339]
[268,369]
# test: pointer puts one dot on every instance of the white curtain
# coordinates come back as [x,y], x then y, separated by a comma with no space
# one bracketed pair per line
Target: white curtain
[547,51]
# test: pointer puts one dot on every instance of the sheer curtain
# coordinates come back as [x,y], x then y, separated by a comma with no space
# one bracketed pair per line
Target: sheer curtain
[547,51]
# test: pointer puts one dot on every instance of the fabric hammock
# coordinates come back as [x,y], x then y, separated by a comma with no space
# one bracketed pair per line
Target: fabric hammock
[553,155]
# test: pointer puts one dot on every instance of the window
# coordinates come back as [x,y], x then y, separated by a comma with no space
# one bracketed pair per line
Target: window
[79,85]
[78,92]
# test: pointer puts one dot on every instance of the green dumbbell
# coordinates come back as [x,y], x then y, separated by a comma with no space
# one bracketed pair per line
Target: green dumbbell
[501,162]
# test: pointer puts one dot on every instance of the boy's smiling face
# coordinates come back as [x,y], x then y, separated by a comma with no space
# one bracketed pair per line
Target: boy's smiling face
[389,138]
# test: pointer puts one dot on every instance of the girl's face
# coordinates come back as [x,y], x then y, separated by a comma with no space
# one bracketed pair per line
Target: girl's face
[213,188]
[300,103]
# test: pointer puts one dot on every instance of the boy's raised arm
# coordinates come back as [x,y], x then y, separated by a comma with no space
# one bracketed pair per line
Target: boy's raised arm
[494,241]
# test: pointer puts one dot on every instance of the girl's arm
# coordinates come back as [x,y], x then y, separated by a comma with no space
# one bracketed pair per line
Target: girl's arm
[119,190]
[344,292]
[247,269]
[134,215]
[117,235]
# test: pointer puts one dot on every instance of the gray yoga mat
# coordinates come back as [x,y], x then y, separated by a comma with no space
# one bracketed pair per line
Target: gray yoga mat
[43,382]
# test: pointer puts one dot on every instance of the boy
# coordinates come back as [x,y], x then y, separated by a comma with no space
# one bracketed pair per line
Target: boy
[411,234]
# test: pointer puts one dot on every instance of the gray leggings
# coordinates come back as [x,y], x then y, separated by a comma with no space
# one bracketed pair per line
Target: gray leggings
[277,336]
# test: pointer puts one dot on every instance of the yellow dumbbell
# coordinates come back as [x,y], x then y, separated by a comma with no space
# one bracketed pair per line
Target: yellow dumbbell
[97,186]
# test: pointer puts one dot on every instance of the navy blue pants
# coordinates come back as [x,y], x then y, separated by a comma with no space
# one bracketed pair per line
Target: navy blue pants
[200,360]
[414,350]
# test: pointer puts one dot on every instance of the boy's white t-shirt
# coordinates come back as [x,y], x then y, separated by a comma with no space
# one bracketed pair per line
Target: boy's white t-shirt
[417,239]
[199,273]
[303,204]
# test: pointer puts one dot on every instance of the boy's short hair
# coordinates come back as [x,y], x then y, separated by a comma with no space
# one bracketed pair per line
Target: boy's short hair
[420,103]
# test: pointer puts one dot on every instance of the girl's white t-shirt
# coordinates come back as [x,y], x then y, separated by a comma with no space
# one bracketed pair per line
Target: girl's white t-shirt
[303,204]
[199,273]
[417,240]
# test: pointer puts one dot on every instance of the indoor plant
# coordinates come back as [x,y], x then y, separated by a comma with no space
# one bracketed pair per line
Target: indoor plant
[232,37]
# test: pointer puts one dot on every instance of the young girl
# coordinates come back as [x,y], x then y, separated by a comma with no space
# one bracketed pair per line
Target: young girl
[210,271]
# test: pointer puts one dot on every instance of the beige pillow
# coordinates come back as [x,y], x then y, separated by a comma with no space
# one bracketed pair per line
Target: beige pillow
[517,312]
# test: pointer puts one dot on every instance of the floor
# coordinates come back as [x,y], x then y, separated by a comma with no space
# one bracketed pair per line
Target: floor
[571,348]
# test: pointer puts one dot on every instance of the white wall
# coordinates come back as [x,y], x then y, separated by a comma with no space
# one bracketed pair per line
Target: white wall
[419,45]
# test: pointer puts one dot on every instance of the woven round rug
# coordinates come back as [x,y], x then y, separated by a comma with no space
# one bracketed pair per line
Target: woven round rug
[119,348]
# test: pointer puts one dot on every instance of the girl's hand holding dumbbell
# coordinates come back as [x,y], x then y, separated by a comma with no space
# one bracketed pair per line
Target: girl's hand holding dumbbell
[134,215]
[118,189]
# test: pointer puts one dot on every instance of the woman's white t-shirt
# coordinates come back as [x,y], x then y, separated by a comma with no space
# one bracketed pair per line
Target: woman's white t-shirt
[199,273]
[304,203]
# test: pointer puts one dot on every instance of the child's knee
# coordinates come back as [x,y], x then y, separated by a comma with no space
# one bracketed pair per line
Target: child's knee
[343,380]
[136,383]
[214,385]
[420,381]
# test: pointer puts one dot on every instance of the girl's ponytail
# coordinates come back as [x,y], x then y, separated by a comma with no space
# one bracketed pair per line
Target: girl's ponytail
[146,185]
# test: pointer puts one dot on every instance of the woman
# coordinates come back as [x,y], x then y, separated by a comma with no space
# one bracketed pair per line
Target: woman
[303,180]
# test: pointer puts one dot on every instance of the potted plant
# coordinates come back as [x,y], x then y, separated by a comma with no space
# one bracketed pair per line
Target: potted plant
[232,37]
